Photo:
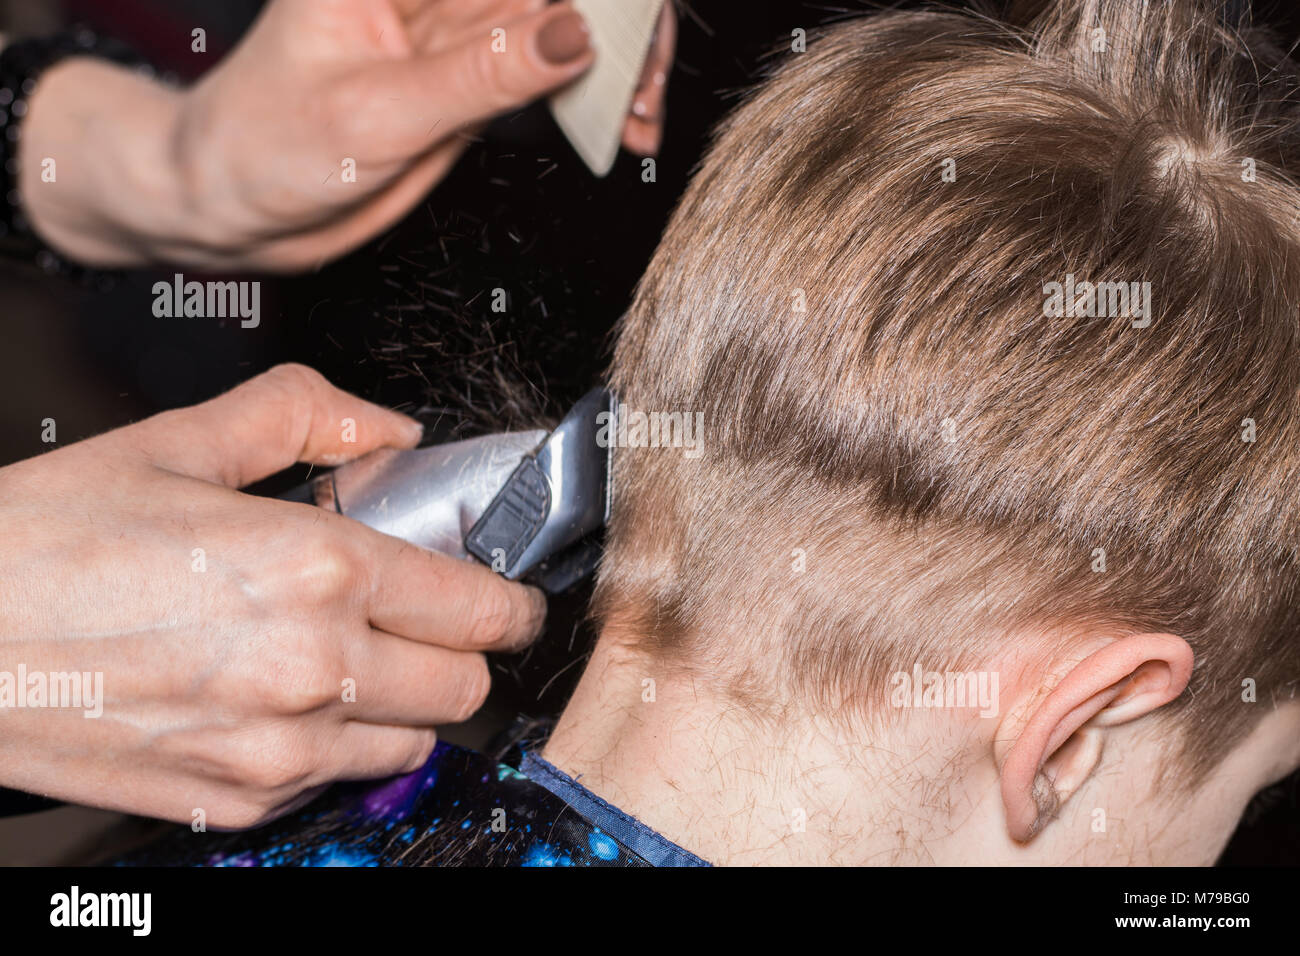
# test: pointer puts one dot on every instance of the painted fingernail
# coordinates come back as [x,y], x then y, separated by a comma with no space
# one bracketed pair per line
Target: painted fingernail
[564,39]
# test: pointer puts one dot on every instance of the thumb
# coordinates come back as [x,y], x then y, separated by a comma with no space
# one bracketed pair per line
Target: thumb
[497,69]
[289,414]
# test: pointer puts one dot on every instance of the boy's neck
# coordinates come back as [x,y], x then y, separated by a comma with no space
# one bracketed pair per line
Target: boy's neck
[735,791]
[799,789]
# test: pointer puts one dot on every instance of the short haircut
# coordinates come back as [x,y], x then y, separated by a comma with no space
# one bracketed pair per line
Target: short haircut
[908,455]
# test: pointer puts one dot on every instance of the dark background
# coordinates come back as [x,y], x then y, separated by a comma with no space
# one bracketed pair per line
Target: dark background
[406,321]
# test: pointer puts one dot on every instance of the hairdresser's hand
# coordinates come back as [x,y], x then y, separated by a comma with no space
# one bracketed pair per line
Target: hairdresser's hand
[327,124]
[250,649]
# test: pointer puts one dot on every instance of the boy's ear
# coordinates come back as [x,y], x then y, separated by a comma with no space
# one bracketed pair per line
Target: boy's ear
[1055,746]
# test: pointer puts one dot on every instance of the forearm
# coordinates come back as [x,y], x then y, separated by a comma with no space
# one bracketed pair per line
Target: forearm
[97,176]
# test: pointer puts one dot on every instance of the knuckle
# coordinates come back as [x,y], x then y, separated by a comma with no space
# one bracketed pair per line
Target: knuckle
[263,776]
[293,376]
[486,77]
[292,390]
[325,572]
[282,762]
[291,386]
[293,695]
[304,674]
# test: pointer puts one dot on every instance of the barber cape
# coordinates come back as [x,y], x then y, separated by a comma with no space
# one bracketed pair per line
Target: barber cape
[460,809]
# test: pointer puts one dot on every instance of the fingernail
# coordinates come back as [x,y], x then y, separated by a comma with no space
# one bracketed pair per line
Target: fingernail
[415,430]
[564,39]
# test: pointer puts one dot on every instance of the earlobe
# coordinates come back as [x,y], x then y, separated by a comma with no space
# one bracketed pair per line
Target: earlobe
[1058,743]
[1069,766]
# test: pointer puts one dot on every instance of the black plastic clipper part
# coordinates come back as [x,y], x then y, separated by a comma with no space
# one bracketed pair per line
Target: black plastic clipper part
[543,525]
[513,520]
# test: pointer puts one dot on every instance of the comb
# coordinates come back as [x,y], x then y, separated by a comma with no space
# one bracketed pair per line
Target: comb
[593,110]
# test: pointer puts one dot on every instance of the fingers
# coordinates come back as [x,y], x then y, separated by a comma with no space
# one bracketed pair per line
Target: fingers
[643,131]
[294,769]
[402,682]
[497,69]
[289,414]
[458,604]
[371,751]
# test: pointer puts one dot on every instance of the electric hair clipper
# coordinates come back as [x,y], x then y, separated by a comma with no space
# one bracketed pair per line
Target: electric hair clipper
[527,504]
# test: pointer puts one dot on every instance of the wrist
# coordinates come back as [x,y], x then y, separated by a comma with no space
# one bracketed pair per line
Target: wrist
[97,176]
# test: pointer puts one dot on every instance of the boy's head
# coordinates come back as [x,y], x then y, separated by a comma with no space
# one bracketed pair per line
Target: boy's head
[927,443]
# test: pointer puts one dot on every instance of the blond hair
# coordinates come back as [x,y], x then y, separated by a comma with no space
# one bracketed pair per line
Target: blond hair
[852,291]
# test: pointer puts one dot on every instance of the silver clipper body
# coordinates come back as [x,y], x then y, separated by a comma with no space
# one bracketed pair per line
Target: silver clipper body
[528,504]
